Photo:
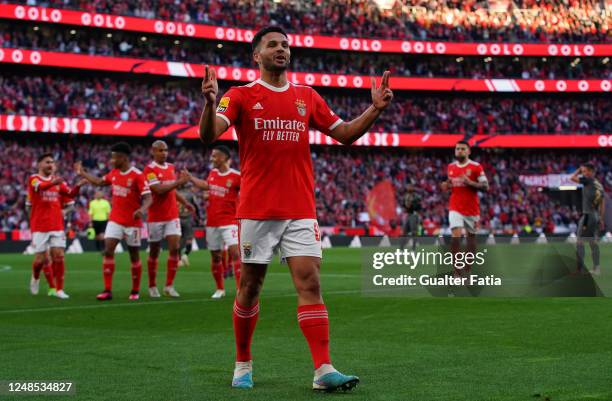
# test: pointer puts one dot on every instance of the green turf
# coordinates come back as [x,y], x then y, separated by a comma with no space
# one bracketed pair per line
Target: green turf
[419,349]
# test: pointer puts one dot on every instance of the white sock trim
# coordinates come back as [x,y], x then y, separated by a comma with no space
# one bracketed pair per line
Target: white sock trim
[323,370]
[243,368]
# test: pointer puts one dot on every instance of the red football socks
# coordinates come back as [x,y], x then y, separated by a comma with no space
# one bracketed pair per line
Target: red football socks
[108,268]
[58,272]
[217,272]
[36,269]
[245,320]
[48,271]
[314,323]
[173,261]
[236,267]
[152,269]
[136,274]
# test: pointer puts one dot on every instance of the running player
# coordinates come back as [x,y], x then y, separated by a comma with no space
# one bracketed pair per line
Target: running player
[163,218]
[592,218]
[130,200]
[272,118]
[223,185]
[46,191]
[465,178]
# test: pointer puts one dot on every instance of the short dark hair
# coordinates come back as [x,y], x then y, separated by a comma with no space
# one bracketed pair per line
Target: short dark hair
[462,142]
[223,149]
[44,156]
[122,147]
[257,38]
[590,166]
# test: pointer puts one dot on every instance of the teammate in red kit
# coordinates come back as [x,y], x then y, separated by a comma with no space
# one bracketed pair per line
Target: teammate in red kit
[223,185]
[163,218]
[46,192]
[465,178]
[272,118]
[130,200]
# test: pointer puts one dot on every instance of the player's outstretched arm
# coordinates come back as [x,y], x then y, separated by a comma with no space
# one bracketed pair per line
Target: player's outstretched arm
[348,132]
[160,189]
[211,126]
[44,185]
[80,171]
[202,184]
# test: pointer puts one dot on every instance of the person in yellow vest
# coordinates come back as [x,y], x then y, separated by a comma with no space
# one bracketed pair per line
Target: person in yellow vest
[99,210]
[91,232]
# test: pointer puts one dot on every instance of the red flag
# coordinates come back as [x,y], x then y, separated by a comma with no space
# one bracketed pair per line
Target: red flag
[381,206]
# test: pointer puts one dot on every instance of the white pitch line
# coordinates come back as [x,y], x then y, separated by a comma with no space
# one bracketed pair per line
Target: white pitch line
[5,268]
[118,305]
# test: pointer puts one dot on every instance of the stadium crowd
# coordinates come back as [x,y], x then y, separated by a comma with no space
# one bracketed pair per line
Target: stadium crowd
[521,20]
[96,42]
[181,102]
[507,207]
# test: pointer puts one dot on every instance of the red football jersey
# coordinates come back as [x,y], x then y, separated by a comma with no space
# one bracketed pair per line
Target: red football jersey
[222,197]
[128,188]
[464,199]
[273,132]
[46,200]
[164,207]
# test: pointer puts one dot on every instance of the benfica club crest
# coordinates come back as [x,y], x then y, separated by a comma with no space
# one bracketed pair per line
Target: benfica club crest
[301,107]
[468,171]
[247,248]
[129,182]
[228,183]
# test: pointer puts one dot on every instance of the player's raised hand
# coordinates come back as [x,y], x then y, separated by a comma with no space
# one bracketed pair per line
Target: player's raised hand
[382,95]
[57,180]
[82,182]
[210,88]
[78,168]
[185,175]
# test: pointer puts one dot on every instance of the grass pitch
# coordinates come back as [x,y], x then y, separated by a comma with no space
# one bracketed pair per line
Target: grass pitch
[421,349]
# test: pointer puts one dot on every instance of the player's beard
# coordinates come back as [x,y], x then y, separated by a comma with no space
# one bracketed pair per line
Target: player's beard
[271,66]
[461,159]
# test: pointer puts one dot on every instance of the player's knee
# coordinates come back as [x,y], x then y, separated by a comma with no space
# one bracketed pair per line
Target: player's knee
[108,253]
[234,255]
[309,285]
[216,257]
[249,289]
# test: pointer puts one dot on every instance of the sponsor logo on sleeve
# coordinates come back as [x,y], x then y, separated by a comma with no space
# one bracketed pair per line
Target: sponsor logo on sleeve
[223,104]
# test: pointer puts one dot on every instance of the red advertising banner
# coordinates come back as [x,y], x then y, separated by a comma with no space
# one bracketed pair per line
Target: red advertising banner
[118,22]
[226,73]
[86,126]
